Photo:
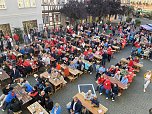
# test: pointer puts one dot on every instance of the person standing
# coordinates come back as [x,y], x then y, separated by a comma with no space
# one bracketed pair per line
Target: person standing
[16,38]
[104,57]
[147,80]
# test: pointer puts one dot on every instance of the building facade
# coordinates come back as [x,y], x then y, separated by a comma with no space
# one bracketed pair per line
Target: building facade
[24,14]
[51,12]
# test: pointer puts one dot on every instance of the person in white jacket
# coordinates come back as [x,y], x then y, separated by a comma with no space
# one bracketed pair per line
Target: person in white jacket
[147,80]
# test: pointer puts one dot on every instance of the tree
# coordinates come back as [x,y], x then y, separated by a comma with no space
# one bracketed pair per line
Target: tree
[74,10]
[127,10]
[104,8]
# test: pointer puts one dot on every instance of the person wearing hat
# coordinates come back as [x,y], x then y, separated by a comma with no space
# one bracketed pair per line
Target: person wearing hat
[56,109]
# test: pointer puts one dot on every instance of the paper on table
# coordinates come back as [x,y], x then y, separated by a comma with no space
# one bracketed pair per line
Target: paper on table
[41,113]
[99,111]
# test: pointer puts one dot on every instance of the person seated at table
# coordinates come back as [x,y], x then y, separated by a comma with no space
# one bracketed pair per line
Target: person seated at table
[112,70]
[107,72]
[88,68]
[11,95]
[114,91]
[27,67]
[136,59]
[100,71]
[28,87]
[41,99]
[118,76]
[72,65]
[48,88]
[66,71]
[124,80]
[119,64]
[88,95]
[34,93]
[76,106]
[19,61]
[15,73]
[90,57]
[48,103]
[58,66]
[80,65]
[5,91]
[66,61]
[85,52]
[100,82]
[139,51]
[30,56]
[117,69]
[95,102]
[131,62]
[56,109]
[107,87]
[15,106]
[130,76]
[40,82]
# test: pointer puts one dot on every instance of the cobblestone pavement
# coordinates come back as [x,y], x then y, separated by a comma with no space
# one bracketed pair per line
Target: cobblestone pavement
[132,101]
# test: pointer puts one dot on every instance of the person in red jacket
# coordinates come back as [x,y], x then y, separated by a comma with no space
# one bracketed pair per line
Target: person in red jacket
[131,63]
[100,82]
[130,77]
[16,38]
[107,87]
[85,52]
[19,62]
[34,94]
[136,59]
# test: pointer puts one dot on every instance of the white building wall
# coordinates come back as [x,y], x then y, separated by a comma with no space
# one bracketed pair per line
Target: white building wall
[15,15]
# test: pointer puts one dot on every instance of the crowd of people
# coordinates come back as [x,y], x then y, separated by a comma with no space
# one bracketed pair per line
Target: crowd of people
[72,49]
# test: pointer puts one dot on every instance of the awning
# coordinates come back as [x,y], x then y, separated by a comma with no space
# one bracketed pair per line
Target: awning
[147,27]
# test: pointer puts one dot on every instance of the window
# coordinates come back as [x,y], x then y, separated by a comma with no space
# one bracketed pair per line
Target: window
[2,4]
[26,3]
[21,3]
[33,3]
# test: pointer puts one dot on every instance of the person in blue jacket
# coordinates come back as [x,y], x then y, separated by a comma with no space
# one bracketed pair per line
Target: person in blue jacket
[56,109]
[11,95]
[28,88]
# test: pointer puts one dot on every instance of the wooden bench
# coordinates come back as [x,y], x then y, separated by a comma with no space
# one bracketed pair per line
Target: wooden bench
[87,105]
[19,112]
[71,78]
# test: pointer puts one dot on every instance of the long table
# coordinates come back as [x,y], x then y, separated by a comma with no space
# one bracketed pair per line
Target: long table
[114,80]
[4,78]
[85,61]
[74,72]
[138,65]
[87,104]
[3,75]
[56,82]
[21,94]
[36,108]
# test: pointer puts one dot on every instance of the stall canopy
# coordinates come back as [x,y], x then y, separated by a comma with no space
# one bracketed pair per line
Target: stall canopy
[147,27]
